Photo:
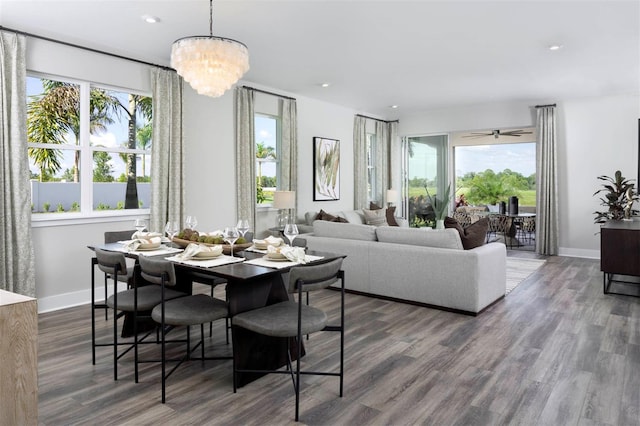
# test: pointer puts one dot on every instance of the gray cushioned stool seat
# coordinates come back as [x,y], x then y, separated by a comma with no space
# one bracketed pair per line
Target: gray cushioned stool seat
[149,297]
[281,319]
[190,310]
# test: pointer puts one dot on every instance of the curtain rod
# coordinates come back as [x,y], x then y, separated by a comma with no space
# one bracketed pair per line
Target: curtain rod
[377,119]
[90,49]
[543,106]
[269,93]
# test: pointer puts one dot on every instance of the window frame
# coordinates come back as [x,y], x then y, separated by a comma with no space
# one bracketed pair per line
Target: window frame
[86,214]
[277,161]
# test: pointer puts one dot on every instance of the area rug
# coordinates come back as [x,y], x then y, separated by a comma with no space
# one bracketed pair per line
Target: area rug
[519,269]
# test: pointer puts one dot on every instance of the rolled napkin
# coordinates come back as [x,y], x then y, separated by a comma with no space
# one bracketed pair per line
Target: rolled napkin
[193,250]
[145,235]
[143,243]
[269,241]
[294,254]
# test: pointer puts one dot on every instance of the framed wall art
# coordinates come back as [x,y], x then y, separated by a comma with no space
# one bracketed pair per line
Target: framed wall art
[326,169]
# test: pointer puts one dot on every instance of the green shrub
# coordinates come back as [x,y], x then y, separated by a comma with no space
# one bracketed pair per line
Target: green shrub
[60,208]
[46,206]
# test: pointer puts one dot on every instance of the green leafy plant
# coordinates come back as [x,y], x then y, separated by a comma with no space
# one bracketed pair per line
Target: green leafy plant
[60,208]
[46,206]
[439,205]
[617,195]
[75,206]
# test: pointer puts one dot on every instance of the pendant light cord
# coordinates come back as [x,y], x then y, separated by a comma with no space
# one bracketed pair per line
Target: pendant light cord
[211,18]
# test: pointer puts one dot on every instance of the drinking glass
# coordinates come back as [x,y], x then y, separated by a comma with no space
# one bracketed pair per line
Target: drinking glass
[191,222]
[140,224]
[231,234]
[291,231]
[243,226]
[171,228]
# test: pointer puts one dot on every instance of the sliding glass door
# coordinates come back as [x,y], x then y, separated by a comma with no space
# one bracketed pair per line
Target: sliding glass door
[424,169]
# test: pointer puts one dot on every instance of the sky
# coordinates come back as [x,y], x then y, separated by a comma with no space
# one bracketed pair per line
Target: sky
[265,128]
[519,157]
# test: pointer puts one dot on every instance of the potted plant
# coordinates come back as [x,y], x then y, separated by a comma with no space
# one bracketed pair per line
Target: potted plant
[618,196]
[439,206]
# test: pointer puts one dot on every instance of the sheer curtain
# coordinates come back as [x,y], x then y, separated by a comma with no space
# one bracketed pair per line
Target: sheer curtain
[17,265]
[167,161]
[360,193]
[289,146]
[382,162]
[245,155]
[547,175]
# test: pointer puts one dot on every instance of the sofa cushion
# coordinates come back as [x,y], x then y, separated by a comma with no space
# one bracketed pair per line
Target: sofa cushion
[354,216]
[390,212]
[427,237]
[351,231]
[473,235]
[375,217]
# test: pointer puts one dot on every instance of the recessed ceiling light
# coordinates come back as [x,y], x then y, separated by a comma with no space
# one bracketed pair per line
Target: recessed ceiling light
[394,106]
[555,47]
[150,19]
[325,85]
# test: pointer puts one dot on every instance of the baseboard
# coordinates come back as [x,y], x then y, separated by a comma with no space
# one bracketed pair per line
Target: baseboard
[69,300]
[573,252]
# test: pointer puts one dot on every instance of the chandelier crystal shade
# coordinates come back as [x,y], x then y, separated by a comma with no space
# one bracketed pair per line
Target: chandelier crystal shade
[211,65]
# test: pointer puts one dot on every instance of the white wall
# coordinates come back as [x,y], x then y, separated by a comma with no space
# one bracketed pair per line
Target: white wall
[596,136]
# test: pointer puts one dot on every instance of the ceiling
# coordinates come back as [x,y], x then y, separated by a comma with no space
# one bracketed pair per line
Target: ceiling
[418,55]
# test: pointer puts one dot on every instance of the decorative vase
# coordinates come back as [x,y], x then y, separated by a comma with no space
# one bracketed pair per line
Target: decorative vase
[440,224]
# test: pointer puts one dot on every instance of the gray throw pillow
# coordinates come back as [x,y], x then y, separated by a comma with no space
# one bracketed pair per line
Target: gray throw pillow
[375,217]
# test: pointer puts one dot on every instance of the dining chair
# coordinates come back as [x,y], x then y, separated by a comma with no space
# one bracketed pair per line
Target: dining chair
[113,237]
[498,223]
[292,319]
[195,309]
[139,299]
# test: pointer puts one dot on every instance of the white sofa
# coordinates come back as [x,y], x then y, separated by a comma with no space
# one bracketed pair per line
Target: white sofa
[415,265]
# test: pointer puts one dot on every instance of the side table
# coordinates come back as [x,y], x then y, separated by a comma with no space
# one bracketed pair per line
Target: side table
[620,256]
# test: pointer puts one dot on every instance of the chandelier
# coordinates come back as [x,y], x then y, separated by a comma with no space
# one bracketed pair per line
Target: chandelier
[211,65]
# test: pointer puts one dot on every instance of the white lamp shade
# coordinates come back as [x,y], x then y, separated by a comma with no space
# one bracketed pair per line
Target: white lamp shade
[392,195]
[284,199]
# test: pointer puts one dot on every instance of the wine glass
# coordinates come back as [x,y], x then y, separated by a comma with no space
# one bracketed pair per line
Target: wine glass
[191,222]
[243,226]
[291,231]
[171,228]
[231,234]
[140,224]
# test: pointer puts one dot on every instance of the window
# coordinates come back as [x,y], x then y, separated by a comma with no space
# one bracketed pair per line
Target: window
[425,169]
[372,187]
[267,139]
[490,173]
[89,147]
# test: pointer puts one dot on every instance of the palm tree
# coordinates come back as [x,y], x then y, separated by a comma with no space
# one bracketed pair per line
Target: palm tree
[144,135]
[263,152]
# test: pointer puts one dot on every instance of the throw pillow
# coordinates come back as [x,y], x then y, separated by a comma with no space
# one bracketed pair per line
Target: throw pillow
[390,213]
[325,216]
[473,235]
[375,217]
[339,220]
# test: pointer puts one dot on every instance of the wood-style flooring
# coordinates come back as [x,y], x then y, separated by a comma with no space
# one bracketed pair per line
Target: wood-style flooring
[555,351]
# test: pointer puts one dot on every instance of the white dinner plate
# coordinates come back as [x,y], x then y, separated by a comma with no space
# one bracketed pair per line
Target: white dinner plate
[206,256]
[276,259]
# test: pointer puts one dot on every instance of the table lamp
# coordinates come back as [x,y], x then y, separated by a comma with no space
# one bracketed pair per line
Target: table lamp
[392,196]
[284,201]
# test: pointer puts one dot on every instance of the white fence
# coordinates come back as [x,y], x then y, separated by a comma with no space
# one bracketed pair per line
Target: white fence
[65,194]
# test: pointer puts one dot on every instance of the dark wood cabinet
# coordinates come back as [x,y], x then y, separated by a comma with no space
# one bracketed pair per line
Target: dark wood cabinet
[620,254]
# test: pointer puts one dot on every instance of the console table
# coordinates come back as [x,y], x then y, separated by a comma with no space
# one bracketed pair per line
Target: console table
[620,255]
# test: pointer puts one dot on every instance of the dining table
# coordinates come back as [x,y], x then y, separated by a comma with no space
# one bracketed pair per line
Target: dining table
[252,282]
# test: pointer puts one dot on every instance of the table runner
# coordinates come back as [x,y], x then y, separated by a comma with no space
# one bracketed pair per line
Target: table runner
[280,264]
[209,263]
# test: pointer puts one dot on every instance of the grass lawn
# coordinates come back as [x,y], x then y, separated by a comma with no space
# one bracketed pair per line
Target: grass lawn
[525,198]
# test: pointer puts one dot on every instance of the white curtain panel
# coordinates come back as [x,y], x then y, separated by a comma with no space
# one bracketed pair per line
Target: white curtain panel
[289,146]
[245,155]
[360,163]
[167,160]
[547,176]
[17,265]
[382,161]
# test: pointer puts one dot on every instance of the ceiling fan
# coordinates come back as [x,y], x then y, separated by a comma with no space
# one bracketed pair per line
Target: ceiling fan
[497,133]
